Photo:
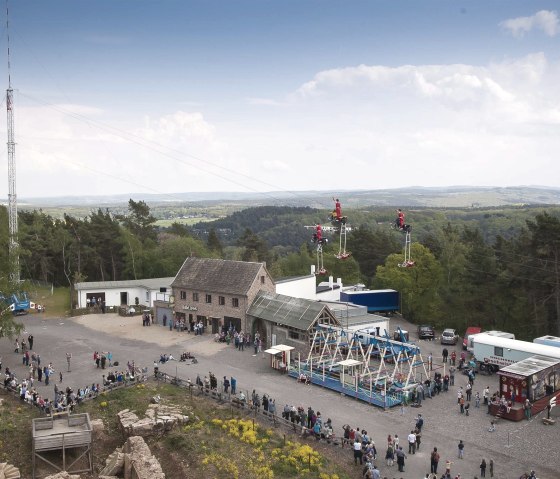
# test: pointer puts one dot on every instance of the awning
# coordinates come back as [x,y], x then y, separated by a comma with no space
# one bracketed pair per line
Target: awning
[349,362]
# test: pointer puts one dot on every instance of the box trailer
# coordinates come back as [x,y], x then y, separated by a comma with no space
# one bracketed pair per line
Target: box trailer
[493,352]
[376,300]
[548,340]
[497,334]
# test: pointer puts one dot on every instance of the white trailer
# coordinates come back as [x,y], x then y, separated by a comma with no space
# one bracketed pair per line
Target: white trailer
[492,352]
[497,334]
[548,340]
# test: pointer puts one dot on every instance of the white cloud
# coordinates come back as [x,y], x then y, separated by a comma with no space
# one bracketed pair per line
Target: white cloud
[544,20]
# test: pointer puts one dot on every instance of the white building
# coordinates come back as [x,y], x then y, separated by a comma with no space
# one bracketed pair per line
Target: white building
[124,293]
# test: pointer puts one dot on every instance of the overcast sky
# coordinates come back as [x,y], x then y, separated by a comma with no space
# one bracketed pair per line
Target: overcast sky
[168,96]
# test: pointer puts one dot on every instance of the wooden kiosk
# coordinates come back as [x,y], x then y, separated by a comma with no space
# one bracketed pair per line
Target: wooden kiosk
[63,432]
[280,356]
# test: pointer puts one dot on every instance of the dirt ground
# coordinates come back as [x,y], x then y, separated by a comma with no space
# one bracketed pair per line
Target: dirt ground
[130,328]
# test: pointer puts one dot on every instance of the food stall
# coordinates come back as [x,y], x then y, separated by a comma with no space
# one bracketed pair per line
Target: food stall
[280,356]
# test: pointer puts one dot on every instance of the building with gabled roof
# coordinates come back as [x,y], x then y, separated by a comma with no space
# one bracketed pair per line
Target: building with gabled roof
[218,292]
[288,320]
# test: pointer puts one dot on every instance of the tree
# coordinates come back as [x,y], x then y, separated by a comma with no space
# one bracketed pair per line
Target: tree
[213,243]
[255,249]
[417,285]
[139,221]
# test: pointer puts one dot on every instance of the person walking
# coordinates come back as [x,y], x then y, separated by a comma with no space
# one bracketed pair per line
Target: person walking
[30,341]
[444,354]
[491,465]
[461,449]
[483,468]
[434,461]
[68,358]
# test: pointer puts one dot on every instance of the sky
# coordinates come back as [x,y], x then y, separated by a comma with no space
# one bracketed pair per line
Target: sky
[167,96]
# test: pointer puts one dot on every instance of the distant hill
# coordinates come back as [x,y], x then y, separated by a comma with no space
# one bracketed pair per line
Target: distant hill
[414,196]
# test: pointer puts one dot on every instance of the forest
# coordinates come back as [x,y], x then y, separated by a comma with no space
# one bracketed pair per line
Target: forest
[494,267]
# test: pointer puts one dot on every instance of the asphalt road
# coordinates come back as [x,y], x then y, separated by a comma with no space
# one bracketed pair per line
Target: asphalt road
[514,447]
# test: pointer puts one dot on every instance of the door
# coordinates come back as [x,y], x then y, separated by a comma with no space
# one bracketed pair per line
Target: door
[124,298]
[215,325]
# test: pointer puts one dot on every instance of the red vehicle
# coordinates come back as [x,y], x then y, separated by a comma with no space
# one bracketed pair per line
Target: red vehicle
[470,330]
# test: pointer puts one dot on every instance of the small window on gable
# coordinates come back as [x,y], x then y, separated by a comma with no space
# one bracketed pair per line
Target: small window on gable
[262,279]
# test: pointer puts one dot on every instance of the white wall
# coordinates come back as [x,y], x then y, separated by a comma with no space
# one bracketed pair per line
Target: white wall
[299,288]
[113,296]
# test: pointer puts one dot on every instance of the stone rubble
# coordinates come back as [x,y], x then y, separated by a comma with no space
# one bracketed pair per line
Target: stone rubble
[7,471]
[137,454]
[159,417]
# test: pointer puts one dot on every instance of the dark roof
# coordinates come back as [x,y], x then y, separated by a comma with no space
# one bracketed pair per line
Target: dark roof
[298,313]
[217,275]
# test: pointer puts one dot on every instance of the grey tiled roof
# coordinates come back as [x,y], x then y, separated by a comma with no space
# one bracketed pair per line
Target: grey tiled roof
[297,313]
[148,283]
[217,275]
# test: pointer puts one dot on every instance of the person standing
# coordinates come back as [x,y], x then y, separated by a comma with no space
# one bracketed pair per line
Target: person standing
[68,358]
[445,354]
[483,468]
[30,341]
[486,395]
[491,464]
[453,358]
[419,422]
[527,407]
[461,450]
[412,443]
[337,208]
[401,456]
[357,448]
[434,461]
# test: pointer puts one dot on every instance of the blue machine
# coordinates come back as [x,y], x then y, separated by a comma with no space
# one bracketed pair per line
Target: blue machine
[17,303]
[376,300]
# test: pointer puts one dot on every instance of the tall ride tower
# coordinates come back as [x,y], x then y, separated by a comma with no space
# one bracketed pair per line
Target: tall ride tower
[12,197]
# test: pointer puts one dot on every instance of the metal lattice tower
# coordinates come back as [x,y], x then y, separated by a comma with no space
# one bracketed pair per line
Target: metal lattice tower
[12,197]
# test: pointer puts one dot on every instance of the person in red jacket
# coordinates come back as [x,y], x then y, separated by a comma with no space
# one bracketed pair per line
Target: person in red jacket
[400,219]
[337,208]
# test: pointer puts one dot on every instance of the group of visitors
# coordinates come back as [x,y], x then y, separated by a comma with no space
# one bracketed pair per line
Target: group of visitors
[101,359]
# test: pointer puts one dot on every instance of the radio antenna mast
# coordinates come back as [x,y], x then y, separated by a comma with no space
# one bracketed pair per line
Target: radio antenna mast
[12,197]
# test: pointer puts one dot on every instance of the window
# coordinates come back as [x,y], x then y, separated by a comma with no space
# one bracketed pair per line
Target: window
[235,302]
[195,297]
[293,334]
[208,298]
[262,279]
[183,295]
[498,351]
[221,300]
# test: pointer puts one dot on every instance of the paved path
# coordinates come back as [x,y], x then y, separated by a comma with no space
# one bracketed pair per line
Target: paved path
[514,447]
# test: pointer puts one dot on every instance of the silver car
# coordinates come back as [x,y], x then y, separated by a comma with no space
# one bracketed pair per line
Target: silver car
[449,336]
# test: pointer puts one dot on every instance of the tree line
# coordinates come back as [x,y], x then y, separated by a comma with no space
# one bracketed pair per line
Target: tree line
[463,274]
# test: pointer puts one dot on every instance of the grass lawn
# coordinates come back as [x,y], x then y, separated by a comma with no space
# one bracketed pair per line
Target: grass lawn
[56,302]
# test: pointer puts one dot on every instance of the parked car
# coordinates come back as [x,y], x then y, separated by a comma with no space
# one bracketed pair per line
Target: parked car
[449,336]
[426,332]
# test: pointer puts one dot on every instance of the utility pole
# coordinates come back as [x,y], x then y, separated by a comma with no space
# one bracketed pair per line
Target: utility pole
[12,196]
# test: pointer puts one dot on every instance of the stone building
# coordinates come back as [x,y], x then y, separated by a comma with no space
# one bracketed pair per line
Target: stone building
[288,320]
[218,292]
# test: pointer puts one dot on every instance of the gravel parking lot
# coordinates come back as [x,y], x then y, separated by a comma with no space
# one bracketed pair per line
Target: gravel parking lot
[514,447]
